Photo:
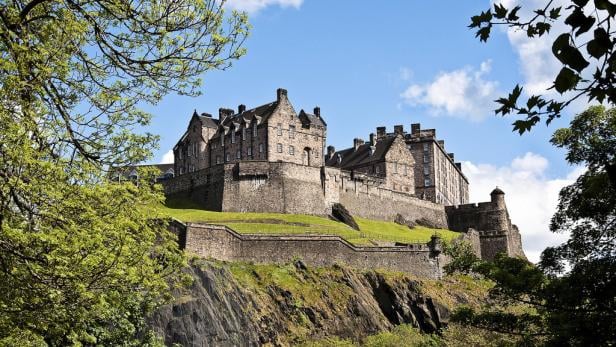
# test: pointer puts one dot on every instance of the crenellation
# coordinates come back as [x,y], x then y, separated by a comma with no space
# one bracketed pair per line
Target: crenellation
[272,159]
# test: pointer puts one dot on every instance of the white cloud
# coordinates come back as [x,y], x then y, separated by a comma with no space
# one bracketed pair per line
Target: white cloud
[531,197]
[464,93]
[253,6]
[167,157]
[537,63]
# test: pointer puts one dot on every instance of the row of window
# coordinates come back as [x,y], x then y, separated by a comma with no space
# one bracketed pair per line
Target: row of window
[238,154]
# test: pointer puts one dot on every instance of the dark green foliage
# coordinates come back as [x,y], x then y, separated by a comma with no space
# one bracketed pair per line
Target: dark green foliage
[463,259]
[571,295]
[568,49]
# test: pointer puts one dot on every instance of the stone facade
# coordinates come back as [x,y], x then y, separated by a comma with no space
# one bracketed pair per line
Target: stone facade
[220,242]
[270,159]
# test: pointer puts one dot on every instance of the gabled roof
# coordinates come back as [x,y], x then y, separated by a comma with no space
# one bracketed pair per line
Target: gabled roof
[207,120]
[350,157]
[261,112]
[308,118]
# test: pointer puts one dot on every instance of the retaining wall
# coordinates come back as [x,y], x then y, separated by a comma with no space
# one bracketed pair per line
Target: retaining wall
[222,243]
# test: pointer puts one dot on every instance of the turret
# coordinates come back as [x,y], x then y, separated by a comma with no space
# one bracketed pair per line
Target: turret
[498,197]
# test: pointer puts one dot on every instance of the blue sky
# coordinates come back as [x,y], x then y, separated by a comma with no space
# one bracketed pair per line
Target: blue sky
[368,64]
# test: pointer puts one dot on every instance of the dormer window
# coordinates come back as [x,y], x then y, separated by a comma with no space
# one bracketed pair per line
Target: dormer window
[232,135]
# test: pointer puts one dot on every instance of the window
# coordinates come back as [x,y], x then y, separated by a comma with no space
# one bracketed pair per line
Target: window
[279,129]
[426,170]
[291,131]
[377,169]
[233,135]
[180,153]
[427,182]
[238,154]
[254,129]
[243,133]
[222,140]
[291,150]
[426,147]
[260,148]
[227,157]
[181,171]
[249,151]
[316,154]
[395,167]
[426,158]
[406,170]
[218,161]
[279,147]
[189,150]
[196,149]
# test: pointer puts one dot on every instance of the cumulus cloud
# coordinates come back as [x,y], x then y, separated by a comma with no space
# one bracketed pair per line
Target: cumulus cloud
[537,63]
[253,6]
[531,197]
[464,93]
[167,157]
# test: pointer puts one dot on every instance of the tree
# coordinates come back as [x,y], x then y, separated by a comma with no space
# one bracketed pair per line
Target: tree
[569,298]
[82,259]
[588,61]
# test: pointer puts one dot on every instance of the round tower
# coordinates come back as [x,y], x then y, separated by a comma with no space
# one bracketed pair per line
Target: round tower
[498,197]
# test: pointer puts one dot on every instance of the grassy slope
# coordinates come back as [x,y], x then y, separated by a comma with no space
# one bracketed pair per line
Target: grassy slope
[277,223]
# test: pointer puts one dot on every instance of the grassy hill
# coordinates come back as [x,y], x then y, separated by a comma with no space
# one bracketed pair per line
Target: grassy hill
[371,232]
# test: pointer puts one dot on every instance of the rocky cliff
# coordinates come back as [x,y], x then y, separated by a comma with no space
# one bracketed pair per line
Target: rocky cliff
[239,304]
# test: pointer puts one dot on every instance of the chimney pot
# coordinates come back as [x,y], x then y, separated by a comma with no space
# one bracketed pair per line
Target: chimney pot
[451,155]
[241,108]
[357,142]
[317,111]
[280,93]
[330,151]
[372,139]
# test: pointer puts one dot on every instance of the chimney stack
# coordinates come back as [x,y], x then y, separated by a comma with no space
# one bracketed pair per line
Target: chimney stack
[450,155]
[205,114]
[399,129]
[317,111]
[372,139]
[330,152]
[415,128]
[459,166]
[441,143]
[241,108]
[381,132]
[223,113]
[357,142]
[281,93]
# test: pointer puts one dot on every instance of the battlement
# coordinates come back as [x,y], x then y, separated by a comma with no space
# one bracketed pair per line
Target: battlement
[220,242]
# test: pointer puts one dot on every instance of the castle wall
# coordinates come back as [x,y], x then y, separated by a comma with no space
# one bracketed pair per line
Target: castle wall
[222,243]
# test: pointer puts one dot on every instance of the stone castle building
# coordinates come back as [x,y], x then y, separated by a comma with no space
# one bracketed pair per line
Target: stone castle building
[272,158]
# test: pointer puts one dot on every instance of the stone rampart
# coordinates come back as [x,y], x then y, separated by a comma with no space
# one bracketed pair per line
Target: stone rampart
[220,242]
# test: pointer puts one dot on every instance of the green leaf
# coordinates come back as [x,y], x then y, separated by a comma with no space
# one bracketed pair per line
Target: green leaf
[580,3]
[566,80]
[513,14]
[555,13]
[568,54]
[601,43]
[578,20]
[606,5]
[500,11]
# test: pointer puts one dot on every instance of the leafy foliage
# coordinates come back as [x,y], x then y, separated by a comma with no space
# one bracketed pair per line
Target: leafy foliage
[570,294]
[81,261]
[574,76]
[463,259]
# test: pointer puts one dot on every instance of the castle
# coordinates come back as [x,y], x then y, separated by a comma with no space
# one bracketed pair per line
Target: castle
[273,159]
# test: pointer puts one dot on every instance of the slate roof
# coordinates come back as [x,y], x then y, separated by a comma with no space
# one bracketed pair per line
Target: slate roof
[263,112]
[308,118]
[207,120]
[352,158]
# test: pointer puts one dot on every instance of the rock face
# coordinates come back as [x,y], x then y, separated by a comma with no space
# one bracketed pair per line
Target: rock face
[341,214]
[248,305]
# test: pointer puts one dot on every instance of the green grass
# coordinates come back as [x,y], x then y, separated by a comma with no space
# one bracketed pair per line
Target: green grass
[371,231]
